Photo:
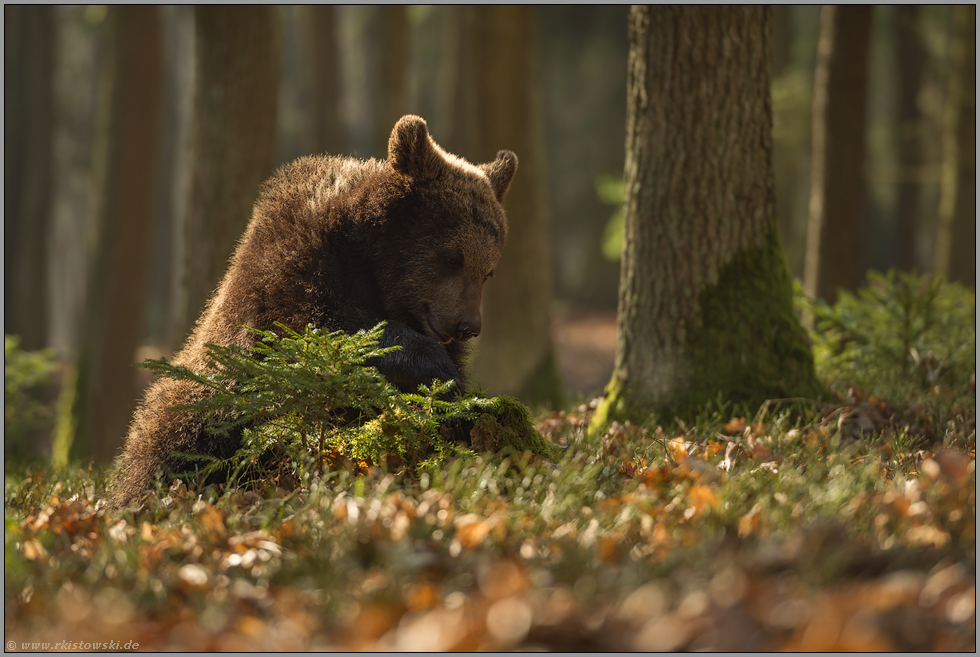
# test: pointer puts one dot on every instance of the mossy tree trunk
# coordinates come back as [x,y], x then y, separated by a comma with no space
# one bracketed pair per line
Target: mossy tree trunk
[100,393]
[29,53]
[705,300]
[836,227]
[956,248]
[515,354]
[910,58]
[237,90]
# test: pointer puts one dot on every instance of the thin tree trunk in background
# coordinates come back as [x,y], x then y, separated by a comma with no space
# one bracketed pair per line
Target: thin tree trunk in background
[394,73]
[515,354]
[103,391]
[237,76]
[788,150]
[705,305]
[956,249]
[325,79]
[172,175]
[461,101]
[782,39]
[29,54]
[909,61]
[835,233]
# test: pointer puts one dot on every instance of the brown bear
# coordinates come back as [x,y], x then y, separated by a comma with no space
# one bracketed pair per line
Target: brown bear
[342,244]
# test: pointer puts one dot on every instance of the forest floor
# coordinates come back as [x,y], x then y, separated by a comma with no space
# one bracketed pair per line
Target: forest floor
[778,532]
[806,525]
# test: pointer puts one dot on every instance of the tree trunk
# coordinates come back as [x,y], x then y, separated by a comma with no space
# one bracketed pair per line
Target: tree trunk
[173,177]
[29,54]
[103,389]
[909,61]
[705,301]
[325,80]
[393,91]
[238,50]
[791,131]
[835,233]
[782,40]
[956,248]
[515,354]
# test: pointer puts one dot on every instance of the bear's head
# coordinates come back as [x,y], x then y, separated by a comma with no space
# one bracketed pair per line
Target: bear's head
[452,229]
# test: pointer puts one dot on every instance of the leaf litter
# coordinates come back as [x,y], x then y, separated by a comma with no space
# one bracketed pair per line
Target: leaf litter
[748,535]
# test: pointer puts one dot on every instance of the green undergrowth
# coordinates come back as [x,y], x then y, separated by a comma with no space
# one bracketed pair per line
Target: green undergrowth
[311,398]
[902,337]
[25,415]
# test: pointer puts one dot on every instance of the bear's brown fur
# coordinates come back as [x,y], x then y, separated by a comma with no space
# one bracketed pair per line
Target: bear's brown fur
[342,244]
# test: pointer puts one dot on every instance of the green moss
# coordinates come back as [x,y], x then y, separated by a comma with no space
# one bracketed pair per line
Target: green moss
[749,345]
[506,423]
[746,346]
[614,406]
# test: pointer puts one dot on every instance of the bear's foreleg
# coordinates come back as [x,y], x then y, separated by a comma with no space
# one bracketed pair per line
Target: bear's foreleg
[420,360]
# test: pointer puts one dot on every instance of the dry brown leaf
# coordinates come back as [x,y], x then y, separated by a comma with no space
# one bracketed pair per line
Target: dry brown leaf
[472,528]
[749,524]
[628,469]
[677,448]
[422,595]
[609,549]
[33,550]
[212,521]
[713,448]
[734,426]
[702,497]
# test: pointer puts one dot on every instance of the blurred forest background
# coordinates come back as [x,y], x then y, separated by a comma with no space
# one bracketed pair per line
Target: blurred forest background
[136,139]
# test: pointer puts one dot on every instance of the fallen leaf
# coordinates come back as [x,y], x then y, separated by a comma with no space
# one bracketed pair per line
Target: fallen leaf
[702,497]
[749,524]
[734,426]
[628,469]
[677,448]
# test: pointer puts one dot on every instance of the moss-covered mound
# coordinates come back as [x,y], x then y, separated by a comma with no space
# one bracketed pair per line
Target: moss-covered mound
[505,424]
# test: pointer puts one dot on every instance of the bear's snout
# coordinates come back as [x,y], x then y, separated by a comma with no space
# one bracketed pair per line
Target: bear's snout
[468,328]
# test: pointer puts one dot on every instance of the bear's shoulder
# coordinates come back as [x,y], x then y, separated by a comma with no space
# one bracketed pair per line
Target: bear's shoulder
[318,180]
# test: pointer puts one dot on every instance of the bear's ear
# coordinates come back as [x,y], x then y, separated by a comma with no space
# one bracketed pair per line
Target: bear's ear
[410,150]
[501,172]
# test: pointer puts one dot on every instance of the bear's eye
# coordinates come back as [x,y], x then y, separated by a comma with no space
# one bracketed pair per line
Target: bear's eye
[454,261]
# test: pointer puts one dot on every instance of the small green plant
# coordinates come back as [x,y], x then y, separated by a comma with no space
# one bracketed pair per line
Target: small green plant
[24,414]
[610,190]
[900,337]
[311,394]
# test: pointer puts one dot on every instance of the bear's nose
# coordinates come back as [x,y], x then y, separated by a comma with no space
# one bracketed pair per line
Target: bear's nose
[468,328]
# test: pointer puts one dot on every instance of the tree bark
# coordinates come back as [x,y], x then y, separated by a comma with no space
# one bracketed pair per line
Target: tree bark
[835,232]
[956,249]
[237,77]
[515,354]
[103,386]
[909,61]
[705,301]
[29,54]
